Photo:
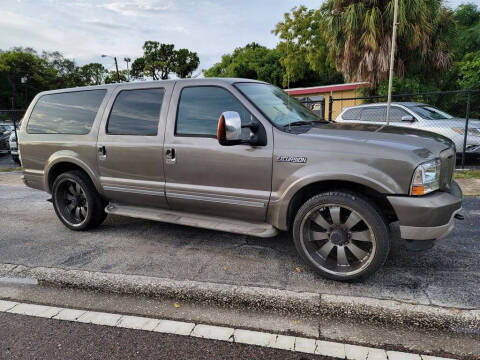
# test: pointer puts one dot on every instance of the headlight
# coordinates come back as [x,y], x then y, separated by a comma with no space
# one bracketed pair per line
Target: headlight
[426,178]
[471,131]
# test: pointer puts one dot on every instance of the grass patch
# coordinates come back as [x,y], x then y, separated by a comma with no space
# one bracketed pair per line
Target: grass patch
[11,169]
[468,174]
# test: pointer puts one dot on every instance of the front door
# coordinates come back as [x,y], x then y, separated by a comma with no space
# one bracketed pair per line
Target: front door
[203,176]
[130,145]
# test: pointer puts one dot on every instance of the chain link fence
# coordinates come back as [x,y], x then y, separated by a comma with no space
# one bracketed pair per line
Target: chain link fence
[454,114]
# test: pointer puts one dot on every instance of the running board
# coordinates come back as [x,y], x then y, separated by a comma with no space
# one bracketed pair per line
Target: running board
[196,220]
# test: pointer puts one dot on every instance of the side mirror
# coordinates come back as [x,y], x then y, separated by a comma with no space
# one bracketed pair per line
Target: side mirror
[229,129]
[408,118]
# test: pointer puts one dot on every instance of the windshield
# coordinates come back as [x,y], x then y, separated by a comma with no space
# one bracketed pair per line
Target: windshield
[277,105]
[430,113]
[5,128]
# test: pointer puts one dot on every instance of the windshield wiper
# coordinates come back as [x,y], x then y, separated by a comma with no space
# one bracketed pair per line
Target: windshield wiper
[298,123]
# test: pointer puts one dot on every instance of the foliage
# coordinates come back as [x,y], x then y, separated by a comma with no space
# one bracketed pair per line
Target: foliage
[185,62]
[252,62]
[359,37]
[22,75]
[469,71]
[112,77]
[303,46]
[159,60]
[93,74]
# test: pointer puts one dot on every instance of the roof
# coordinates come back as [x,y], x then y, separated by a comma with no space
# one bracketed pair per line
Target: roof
[136,83]
[327,88]
[403,103]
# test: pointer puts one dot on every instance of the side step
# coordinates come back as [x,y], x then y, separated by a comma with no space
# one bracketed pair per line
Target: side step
[196,220]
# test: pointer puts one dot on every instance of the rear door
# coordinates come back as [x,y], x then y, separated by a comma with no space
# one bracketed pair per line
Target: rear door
[130,144]
[203,176]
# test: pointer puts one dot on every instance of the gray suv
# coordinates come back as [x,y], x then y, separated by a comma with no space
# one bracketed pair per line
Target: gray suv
[240,156]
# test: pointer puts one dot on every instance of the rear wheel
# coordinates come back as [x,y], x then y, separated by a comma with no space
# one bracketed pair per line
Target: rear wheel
[341,235]
[76,201]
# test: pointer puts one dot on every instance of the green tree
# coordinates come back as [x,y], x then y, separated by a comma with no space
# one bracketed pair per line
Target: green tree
[67,72]
[112,77]
[185,62]
[359,34]
[467,39]
[252,61]
[93,74]
[158,61]
[23,74]
[303,48]
[469,71]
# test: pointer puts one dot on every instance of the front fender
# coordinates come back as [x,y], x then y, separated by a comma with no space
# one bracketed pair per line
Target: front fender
[352,172]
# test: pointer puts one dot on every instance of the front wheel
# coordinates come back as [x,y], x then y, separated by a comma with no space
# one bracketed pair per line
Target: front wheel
[341,235]
[76,201]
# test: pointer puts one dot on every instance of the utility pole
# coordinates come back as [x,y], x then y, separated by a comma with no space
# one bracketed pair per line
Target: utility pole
[127,60]
[116,67]
[392,60]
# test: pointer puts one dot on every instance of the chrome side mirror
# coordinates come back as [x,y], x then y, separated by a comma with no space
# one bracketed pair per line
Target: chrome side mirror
[229,129]
[408,118]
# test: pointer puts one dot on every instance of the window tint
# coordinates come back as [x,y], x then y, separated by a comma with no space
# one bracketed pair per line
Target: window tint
[374,114]
[200,108]
[396,114]
[136,112]
[65,113]
[352,114]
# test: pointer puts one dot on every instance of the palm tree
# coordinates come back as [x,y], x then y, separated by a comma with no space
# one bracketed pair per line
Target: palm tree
[359,36]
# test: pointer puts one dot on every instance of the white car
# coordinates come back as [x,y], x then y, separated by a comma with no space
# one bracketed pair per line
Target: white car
[419,116]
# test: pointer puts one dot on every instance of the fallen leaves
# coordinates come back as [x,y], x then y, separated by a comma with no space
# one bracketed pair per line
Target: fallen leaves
[176,305]
[298,269]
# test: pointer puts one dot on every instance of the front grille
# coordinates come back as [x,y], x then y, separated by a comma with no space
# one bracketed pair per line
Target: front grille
[4,145]
[447,167]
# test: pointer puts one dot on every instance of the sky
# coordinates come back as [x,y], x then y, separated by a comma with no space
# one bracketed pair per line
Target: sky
[83,30]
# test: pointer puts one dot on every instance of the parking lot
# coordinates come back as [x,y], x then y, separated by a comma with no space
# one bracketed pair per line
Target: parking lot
[31,235]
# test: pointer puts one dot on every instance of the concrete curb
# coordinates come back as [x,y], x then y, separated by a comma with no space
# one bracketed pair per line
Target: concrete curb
[301,303]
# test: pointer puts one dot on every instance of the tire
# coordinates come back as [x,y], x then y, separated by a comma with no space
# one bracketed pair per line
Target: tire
[342,235]
[16,159]
[74,190]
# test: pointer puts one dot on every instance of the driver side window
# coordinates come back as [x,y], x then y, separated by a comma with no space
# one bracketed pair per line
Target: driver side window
[200,108]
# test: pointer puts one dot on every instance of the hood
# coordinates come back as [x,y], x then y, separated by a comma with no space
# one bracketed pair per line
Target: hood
[454,122]
[423,144]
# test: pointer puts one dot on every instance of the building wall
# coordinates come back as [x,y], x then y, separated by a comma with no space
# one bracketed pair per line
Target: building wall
[339,104]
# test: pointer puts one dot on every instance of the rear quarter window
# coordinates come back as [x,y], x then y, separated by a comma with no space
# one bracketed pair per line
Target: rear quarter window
[65,113]
[352,114]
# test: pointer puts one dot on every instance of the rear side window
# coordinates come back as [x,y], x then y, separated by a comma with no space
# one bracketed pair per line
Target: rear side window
[65,113]
[352,114]
[136,112]
[200,108]
[374,114]
[396,114]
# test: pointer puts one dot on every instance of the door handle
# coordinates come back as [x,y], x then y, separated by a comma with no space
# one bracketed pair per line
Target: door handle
[102,152]
[170,155]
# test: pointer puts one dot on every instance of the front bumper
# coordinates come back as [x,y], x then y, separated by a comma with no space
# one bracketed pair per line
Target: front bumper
[427,217]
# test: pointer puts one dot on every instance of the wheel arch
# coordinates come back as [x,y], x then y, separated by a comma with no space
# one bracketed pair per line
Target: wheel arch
[307,191]
[62,163]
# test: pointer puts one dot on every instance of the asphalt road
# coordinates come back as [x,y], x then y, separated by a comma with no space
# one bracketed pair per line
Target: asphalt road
[6,162]
[31,235]
[25,337]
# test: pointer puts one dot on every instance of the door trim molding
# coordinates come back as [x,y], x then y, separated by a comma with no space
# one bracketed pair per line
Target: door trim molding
[256,204]
[134,191]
